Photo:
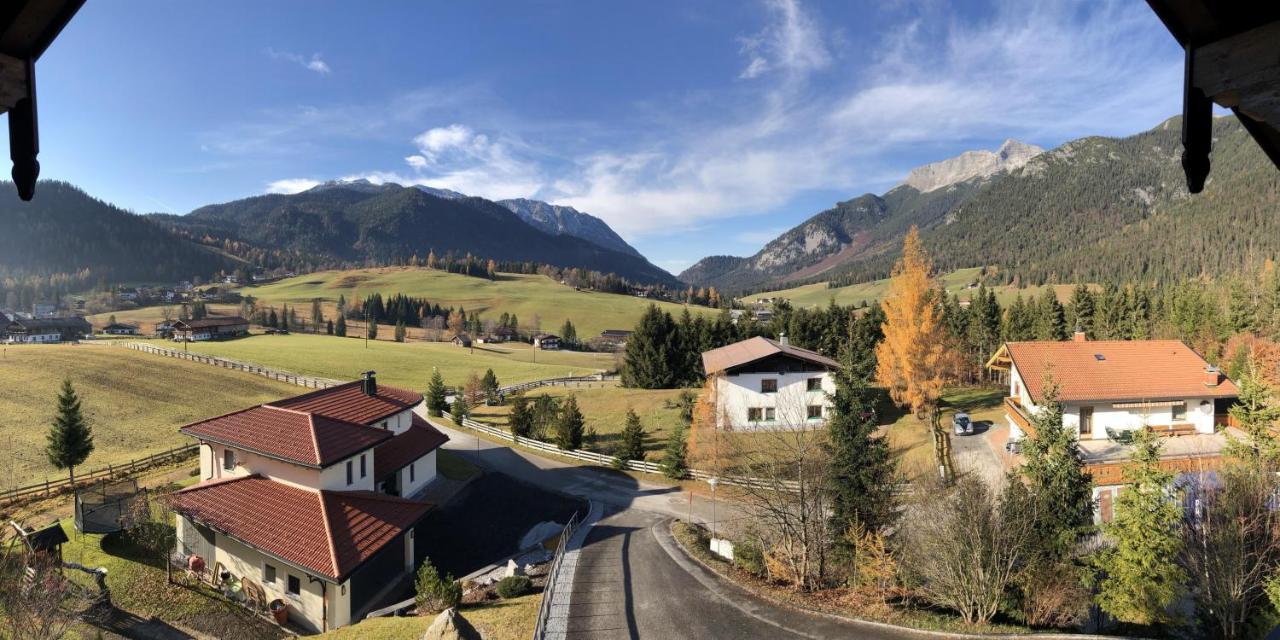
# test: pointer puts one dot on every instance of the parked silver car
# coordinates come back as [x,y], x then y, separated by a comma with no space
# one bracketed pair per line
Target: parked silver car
[961,424]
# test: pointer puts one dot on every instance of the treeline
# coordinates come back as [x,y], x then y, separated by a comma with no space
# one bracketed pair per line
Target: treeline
[19,291]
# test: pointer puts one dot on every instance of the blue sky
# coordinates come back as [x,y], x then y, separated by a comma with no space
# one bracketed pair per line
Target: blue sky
[691,128]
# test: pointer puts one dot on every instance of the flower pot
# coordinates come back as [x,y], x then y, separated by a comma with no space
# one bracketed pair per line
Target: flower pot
[279,611]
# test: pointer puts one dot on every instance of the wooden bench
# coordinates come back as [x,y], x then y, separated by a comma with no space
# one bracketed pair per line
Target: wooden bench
[1173,430]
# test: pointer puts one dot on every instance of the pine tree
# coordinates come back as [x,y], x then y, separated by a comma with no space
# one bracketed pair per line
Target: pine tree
[492,391]
[1142,577]
[317,315]
[372,328]
[632,438]
[570,426]
[568,334]
[272,320]
[651,353]
[862,468]
[284,317]
[458,410]
[1242,312]
[1051,317]
[521,418]
[70,436]
[1083,308]
[1256,413]
[675,455]
[1053,479]
[436,395]
[341,328]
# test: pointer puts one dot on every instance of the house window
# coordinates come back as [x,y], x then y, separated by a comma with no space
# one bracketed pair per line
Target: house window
[1017,390]
[769,385]
[815,411]
[294,586]
[411,464]
[228,459]
[268,574]
[362,467]
[350,473]
[768,414]
[754,414]
[1179,411]
[813,384]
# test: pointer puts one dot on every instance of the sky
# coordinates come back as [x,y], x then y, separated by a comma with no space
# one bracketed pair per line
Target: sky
[692,128]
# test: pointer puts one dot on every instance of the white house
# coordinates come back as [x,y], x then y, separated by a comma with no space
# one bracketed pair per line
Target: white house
[1108,389]
[300,498]
[41,330]
[767,384]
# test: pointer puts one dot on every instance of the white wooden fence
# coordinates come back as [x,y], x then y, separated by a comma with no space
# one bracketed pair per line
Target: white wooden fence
[309,382]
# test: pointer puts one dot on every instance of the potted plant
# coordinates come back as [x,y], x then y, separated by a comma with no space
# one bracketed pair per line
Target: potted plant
[280,611]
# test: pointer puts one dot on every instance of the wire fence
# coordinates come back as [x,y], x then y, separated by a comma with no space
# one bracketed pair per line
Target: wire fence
[110,472]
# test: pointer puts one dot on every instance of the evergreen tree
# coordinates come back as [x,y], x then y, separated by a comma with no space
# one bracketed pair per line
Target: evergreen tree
[400,332]
[862,469]
[272,320]
[675,455]
[1242,311]
[372,328]
[651,353]
[70,438]
[328,328]
[570,426]
[632,438]
[1053,480]
[436,395]
[284,317]
[1020,323]
[317,315]
[458,410]
[1083,309]
[1142,577]
[1051,317]
[341,328]
[568,334]
[492,390]
[1256,413]
[521,418]
[342,305]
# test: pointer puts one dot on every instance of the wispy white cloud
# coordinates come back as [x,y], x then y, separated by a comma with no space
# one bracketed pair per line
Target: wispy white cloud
[791,42]
[314,63]
[291,185]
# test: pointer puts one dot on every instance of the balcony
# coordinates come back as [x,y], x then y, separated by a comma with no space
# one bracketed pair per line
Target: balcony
[1014,409]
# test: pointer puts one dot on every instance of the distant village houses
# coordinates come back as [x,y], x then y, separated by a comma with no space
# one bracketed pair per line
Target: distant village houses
[462,340]
[546,342]
[120,329]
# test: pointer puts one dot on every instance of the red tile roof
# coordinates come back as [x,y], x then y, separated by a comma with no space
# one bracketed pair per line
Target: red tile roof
[328,532]
[758,348]
[308,439]
[398,452]
[349,402]
[1116,370]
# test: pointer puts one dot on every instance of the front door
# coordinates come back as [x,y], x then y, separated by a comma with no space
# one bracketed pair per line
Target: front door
[1086,422]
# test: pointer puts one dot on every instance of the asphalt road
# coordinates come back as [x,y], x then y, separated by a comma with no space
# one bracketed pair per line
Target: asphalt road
[633,580]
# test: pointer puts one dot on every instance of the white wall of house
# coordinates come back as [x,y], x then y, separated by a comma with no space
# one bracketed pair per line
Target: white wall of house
[333,477]
[738,394]
[424,471]
[306,608]
[1199,412]
[398,424]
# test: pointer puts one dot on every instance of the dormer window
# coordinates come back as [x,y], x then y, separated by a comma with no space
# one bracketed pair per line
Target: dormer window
[228,459]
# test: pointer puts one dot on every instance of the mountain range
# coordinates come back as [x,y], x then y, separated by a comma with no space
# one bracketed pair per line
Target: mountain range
[1094,209]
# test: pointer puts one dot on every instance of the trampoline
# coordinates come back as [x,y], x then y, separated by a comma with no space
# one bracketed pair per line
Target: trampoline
[105,507]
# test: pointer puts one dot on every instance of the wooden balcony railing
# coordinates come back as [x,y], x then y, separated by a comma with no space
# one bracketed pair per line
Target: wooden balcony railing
[1018,415]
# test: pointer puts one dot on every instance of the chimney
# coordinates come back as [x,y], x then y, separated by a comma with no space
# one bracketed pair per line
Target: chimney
[784,340]
[1079,336]
[369,384]
[1211,376]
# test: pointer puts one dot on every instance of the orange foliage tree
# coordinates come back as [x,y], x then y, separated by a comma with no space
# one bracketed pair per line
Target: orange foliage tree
[914,361]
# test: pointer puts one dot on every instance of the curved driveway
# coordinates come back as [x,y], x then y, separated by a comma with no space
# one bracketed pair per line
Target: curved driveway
[633,580]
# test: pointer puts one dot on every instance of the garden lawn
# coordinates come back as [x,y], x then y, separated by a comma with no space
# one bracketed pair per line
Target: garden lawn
[134,402]
[604,406]
[530,297]
[512,619]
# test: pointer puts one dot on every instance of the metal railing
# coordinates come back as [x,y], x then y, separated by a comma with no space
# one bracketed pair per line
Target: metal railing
[553,576]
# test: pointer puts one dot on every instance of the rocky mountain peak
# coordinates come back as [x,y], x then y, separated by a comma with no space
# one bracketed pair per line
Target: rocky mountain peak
[971,164]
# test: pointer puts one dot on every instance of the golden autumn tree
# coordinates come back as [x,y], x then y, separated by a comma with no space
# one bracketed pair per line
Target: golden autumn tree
[914,361]
[704,431]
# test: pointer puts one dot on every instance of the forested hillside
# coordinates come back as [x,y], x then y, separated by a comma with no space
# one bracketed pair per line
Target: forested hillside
[67,231]
[1093,210]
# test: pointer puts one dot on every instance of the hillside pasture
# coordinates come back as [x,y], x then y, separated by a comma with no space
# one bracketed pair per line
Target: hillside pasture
[134,402]
[536,300]
[956,282]
[406,364]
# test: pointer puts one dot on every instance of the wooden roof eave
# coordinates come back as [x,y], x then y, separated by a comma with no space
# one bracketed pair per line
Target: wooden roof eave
[1000,360]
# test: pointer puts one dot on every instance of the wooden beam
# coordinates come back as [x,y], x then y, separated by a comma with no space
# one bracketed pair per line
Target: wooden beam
[13,81]
[1240,72]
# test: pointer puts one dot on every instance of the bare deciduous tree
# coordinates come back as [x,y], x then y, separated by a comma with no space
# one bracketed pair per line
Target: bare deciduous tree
[37,601]
[963,548]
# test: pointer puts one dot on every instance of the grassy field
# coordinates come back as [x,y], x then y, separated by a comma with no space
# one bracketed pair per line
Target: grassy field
[403,364]
[512,619]
[604,406]
[956,282]
[147,317]
[135,402]
[909,436]
[530,297]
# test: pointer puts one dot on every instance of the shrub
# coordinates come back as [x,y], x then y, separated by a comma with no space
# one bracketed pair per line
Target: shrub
[748,556]
[435,592]
[514,586]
